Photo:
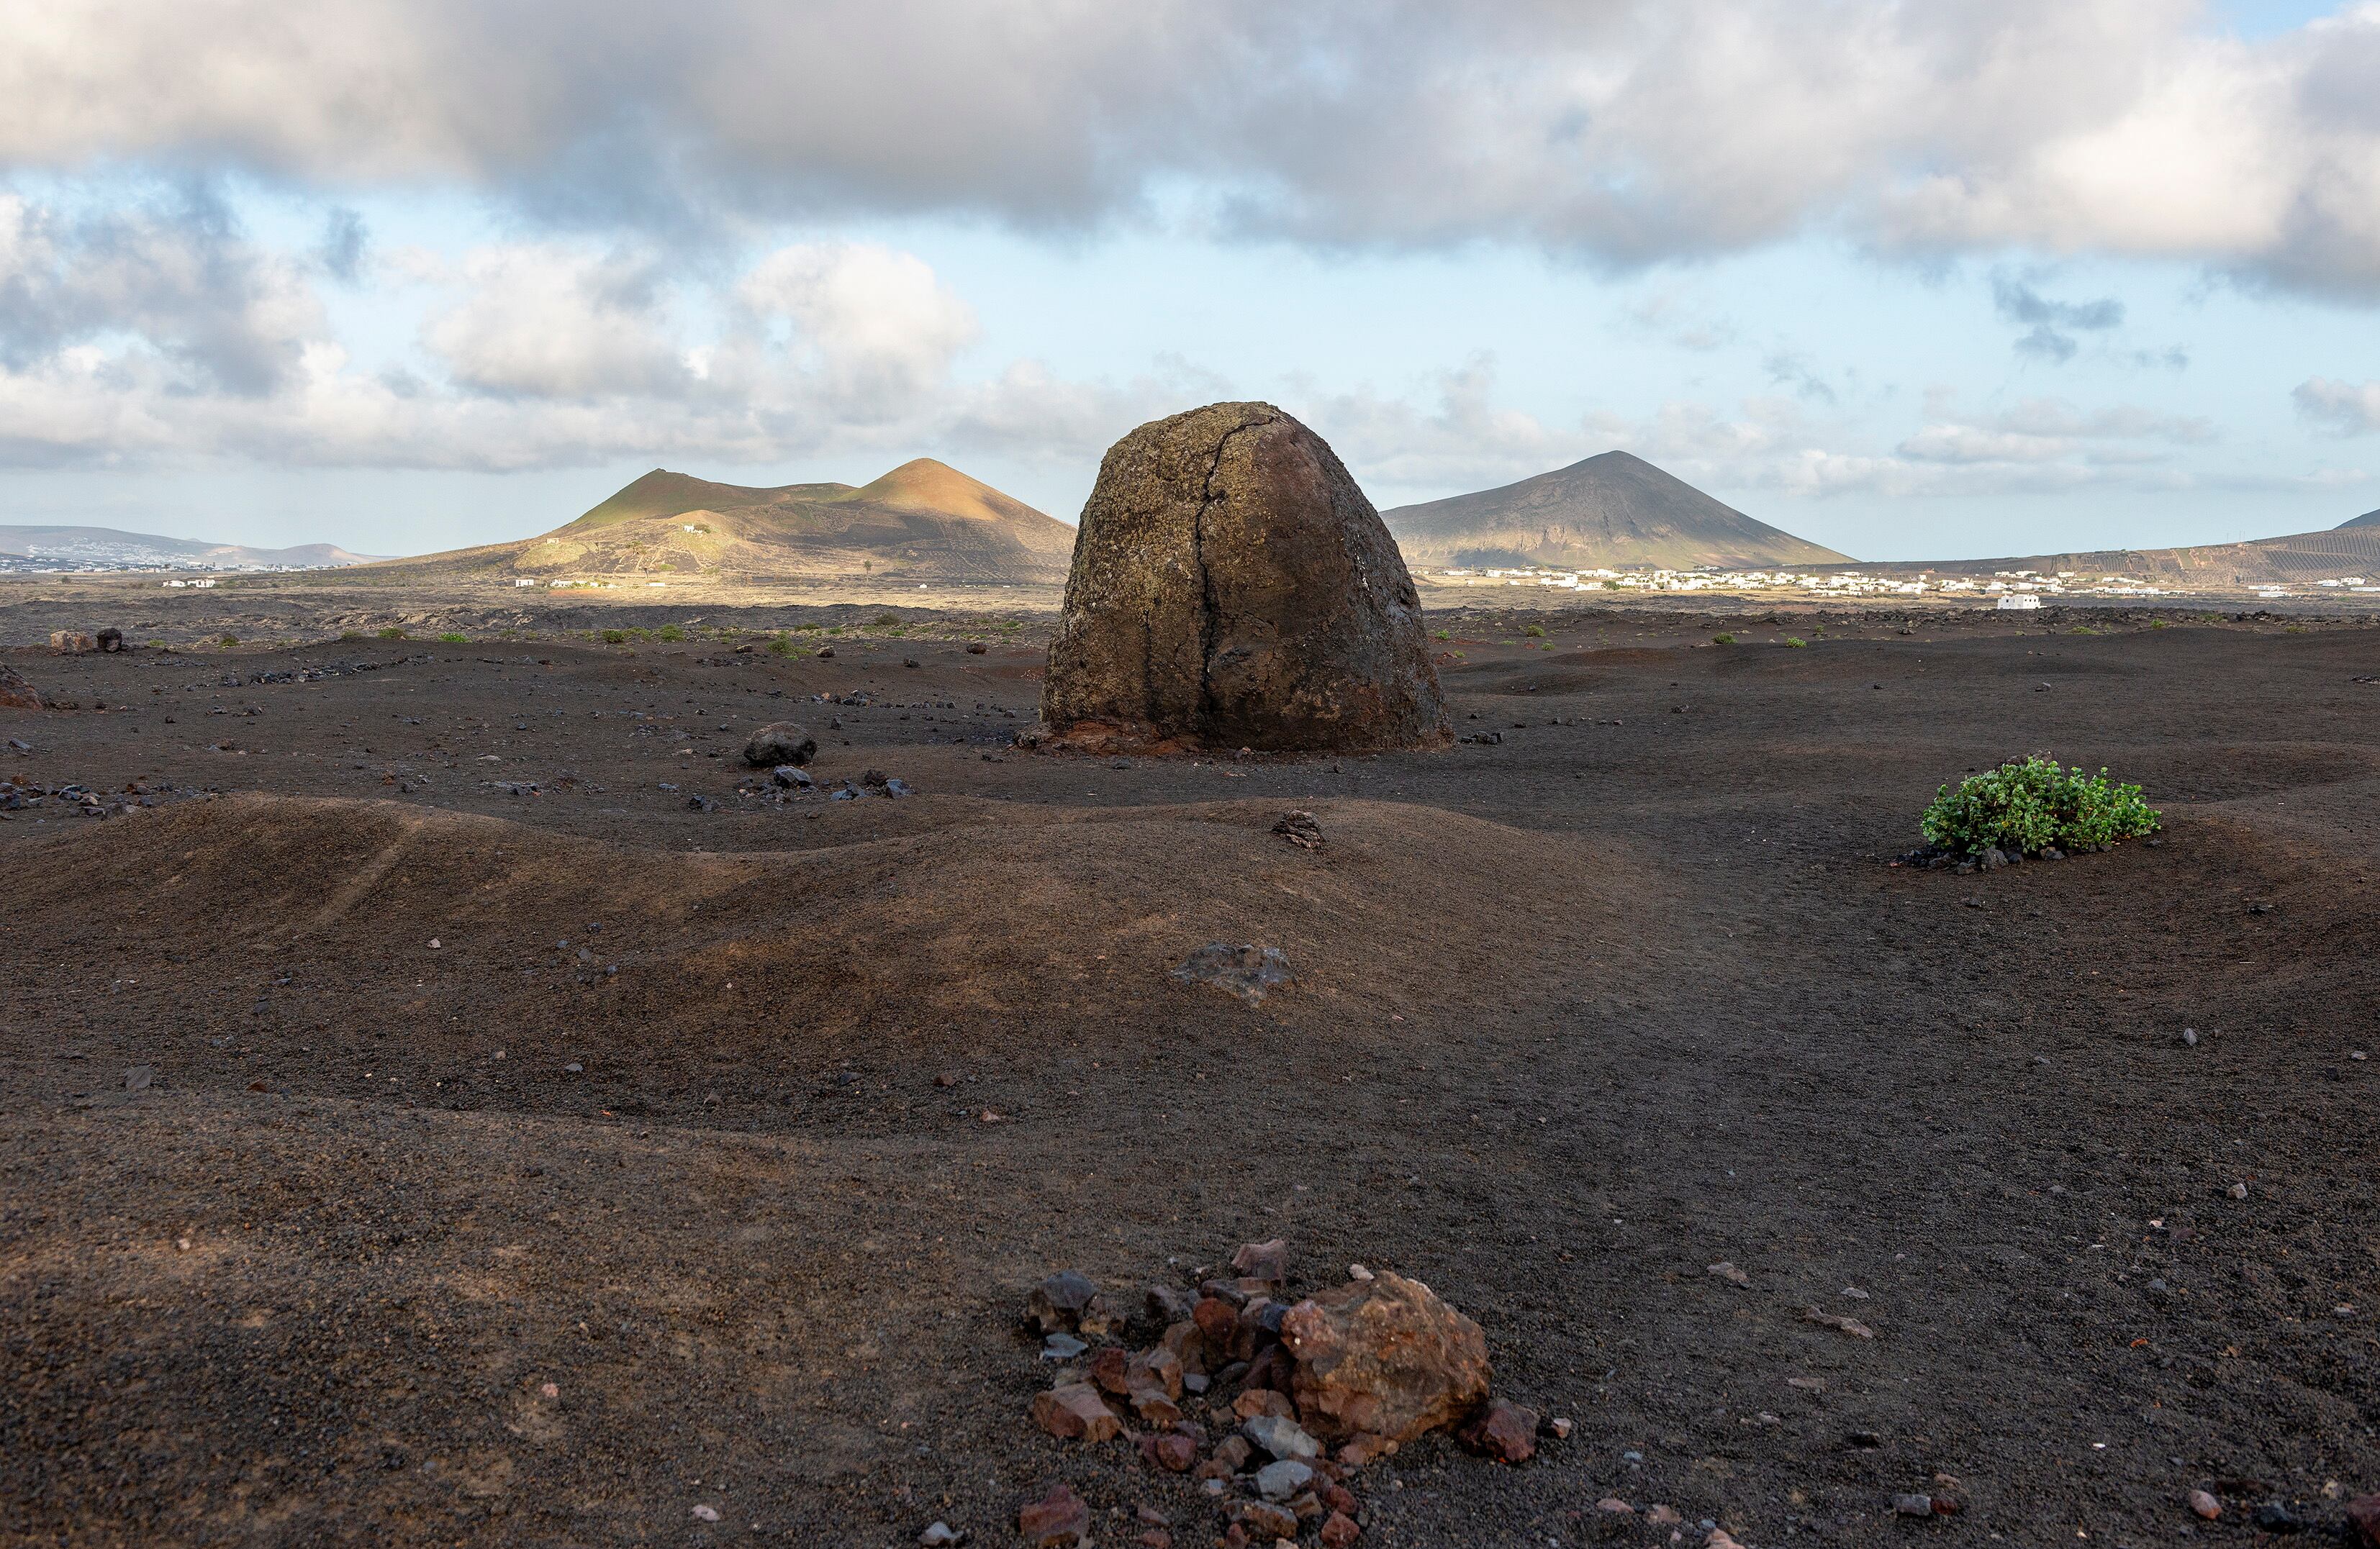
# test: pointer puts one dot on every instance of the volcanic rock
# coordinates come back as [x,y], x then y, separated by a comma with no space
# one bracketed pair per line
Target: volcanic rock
[1231,587]
[1057,1304]
[783,743]
[71,642]
[1504,1431]
[2363,1522]
[1384,1357]
[1076,1414]
[1058,1521]
[16,693]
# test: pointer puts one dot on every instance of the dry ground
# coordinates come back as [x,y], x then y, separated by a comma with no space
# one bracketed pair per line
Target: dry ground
[1577,1015]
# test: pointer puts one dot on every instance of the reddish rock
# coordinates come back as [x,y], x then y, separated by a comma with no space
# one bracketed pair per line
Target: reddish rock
[1339,1531]
[1159,1368]
[1364,1448]
[1249,1333]
[1169,1304]
[1338,1497]
[1268,1262]
[1155,1537]
[1266,1521]
[1169,1450]
[2363,1522]
[1384,1357]
[1233,587]
[16,693]
[1188,1345]
[1233,1452]
[1075,1413]
[1235,1537]
[1263,1401]
[1502,1432]
[1153,1408]
[71,642]
[1111,1370]
[1215,1318]
[1058,1521]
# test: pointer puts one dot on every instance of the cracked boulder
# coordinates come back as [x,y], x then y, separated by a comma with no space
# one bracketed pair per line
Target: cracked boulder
[16,693]
[1233,587]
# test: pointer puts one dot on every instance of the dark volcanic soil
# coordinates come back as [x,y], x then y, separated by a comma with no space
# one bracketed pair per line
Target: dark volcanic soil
[429,1227]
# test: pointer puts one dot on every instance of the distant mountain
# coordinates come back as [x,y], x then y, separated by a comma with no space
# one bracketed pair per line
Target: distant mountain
[2368,519]
[2352,549]
[922,522]
[108,548]
[1606,512]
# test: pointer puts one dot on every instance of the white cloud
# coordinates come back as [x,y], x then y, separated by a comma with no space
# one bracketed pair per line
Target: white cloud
[882,329]
[1629,130]
[2348,409]
[544,320]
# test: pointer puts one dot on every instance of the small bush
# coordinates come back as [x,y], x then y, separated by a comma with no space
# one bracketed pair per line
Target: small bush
[671,631]
[2030,805]
[1534,632]
[2159,623]
[1722,640]
[392,633]
[781,646]
[455,637]
[616,636]
[351,635]
[228,640]
[886,621]
[1795,641]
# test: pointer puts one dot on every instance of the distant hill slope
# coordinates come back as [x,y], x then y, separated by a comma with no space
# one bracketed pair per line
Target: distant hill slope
[924,521]
[2296,559]
[2368,519]
[108,546]
[1611,510]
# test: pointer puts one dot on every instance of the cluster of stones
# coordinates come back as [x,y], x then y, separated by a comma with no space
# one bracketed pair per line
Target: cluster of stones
[1269,1403]
[24,792]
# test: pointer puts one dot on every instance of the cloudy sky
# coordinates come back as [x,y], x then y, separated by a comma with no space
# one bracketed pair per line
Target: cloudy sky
[1914,278]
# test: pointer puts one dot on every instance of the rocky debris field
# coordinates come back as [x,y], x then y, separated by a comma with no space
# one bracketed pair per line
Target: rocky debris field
[451,1132]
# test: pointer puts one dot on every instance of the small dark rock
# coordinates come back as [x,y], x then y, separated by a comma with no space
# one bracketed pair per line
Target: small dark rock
[1056,1305]
[783,743]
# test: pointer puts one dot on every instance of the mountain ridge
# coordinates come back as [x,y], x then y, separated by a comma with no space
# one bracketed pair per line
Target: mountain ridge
[924,521]
[1613,510]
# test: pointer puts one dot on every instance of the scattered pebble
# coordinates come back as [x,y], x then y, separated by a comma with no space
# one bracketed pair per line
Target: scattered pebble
[1839,1322]
[1728,1272]
[2239,1190]
[705,1513]
[1914,1505]
[2206,1505]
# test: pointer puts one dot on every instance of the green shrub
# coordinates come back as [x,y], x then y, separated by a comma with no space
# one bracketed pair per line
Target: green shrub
[1795,641]
[351,635]
[228,640]
[886,621]
[1722,640]
[781,646]
[455,637]
[671,631]
[1534,632]
[392,633]
[2030,805]
[616,636]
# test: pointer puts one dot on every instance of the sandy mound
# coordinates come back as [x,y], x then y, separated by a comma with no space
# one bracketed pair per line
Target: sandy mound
[954,938]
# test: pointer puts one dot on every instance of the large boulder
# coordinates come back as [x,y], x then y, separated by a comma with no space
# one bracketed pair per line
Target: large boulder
[778,745]
[1233,587]
[1384,1357]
